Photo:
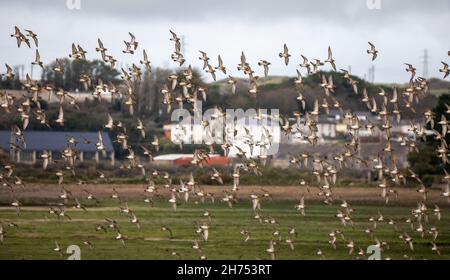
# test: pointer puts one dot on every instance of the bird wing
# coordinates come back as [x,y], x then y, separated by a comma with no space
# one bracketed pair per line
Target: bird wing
[145,55]
[174,35]
[61,113]
[243,59]
[100,44]
[316,106]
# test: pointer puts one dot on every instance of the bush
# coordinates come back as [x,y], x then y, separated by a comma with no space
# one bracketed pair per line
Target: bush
[428,180]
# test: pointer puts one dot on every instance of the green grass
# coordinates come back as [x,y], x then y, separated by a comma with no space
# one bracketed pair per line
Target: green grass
[35,237]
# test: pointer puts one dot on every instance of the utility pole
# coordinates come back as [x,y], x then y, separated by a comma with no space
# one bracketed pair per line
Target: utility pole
[183,44]
[425,61]
[17,70]
[371,74]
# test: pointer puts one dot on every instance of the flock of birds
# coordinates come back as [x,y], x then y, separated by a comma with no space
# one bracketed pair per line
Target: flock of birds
[180,89]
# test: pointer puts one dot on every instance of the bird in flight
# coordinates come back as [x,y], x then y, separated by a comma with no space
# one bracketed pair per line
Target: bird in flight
[285,54]
[372,51]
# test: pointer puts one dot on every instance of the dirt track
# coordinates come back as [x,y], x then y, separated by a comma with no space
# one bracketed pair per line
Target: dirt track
[136,191]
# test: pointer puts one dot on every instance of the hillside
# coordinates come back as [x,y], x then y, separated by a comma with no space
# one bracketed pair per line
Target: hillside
[279,92]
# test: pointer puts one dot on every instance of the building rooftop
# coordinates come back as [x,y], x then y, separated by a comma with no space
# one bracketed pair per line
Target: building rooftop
[56,140]
[177,156]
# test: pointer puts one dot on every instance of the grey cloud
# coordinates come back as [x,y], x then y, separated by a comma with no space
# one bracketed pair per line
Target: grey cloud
[401,29]
[343,10]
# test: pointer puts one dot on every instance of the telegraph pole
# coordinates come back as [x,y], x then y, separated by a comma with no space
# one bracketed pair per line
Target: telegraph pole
[425,61]
[371,74]
[183,44]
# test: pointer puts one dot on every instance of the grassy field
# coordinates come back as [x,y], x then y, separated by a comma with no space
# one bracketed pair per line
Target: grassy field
[38,230]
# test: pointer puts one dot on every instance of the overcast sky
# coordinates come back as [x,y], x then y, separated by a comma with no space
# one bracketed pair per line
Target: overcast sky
[401,30]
